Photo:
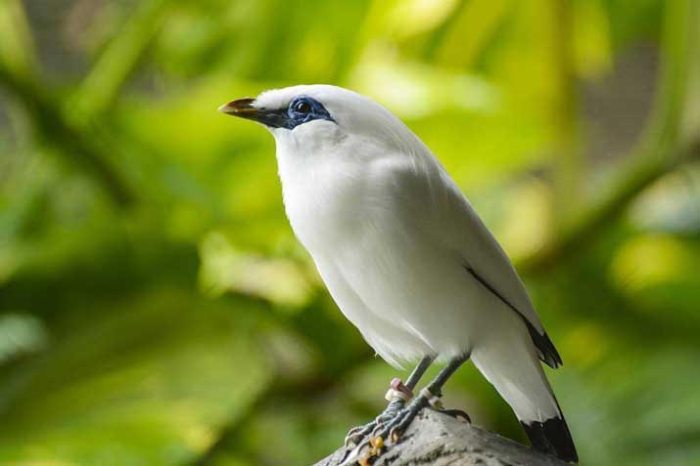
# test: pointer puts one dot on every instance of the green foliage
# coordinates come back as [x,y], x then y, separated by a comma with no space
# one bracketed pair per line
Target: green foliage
[155,308]
[151,381]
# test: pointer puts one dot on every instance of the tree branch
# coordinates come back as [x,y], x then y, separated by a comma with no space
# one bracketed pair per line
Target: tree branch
[436,439]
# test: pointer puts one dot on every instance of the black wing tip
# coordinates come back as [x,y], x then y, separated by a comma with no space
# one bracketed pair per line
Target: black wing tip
[552,437]
[548,352]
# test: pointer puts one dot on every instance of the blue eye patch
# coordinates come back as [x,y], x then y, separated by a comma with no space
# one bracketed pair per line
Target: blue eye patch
[304,109]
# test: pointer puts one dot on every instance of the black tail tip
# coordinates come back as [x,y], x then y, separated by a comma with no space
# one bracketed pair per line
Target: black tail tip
[553,437]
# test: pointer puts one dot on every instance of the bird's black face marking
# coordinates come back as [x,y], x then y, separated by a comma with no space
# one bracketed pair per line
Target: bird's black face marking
[300,110]
[304,109]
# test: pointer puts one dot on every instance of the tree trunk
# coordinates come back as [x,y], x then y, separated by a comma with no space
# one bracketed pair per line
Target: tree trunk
[436,439]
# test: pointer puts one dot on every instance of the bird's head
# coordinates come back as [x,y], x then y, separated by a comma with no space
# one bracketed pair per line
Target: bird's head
[313,118]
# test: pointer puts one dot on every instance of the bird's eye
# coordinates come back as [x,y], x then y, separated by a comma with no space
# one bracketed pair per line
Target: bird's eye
[302,107]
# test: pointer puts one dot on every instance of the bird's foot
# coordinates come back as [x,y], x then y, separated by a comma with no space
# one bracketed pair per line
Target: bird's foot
[357,434]
[397,395]
[384,434]
[391,431]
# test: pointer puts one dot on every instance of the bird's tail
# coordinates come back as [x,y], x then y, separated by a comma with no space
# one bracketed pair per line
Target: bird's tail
[519,379]
[552,436]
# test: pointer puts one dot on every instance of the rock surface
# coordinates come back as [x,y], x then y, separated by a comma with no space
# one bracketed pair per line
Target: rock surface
[436,439]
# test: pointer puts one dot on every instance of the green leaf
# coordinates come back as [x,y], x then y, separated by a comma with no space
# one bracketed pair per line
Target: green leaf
[150,385]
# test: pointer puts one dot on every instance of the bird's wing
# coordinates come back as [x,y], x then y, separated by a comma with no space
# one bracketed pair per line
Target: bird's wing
[484,259]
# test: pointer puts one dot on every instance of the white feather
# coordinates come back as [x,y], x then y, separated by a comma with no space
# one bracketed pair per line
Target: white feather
[392,236]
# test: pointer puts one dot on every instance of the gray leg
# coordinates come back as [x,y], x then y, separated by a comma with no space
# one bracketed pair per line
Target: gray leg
[435,386]
[398,424]
[418,372]
[394,407]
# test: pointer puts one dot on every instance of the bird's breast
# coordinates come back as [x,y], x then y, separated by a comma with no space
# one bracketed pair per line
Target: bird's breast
[324,205]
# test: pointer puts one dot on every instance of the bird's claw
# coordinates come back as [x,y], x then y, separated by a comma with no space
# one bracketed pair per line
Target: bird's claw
[357,434]
[370,448]
[353,431]
[393,430]
[457,414]
[395,435]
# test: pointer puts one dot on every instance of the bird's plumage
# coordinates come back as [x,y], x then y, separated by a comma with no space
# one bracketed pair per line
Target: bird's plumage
[373,190]
[402,251]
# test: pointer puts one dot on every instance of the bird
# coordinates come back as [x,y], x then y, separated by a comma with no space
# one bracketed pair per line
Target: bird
[406,258]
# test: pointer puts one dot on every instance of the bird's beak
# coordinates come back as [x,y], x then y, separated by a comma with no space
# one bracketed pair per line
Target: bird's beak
[242,108]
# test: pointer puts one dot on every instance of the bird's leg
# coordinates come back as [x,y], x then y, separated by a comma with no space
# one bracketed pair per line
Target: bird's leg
[428,396]
[397,396]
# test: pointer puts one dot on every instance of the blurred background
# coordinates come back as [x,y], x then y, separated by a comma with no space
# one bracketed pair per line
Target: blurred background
[155,308]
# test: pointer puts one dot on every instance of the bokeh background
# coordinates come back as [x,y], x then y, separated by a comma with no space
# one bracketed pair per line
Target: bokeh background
[155,308]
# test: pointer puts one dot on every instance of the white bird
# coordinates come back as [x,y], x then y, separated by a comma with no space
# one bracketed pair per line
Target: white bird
[405,256]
